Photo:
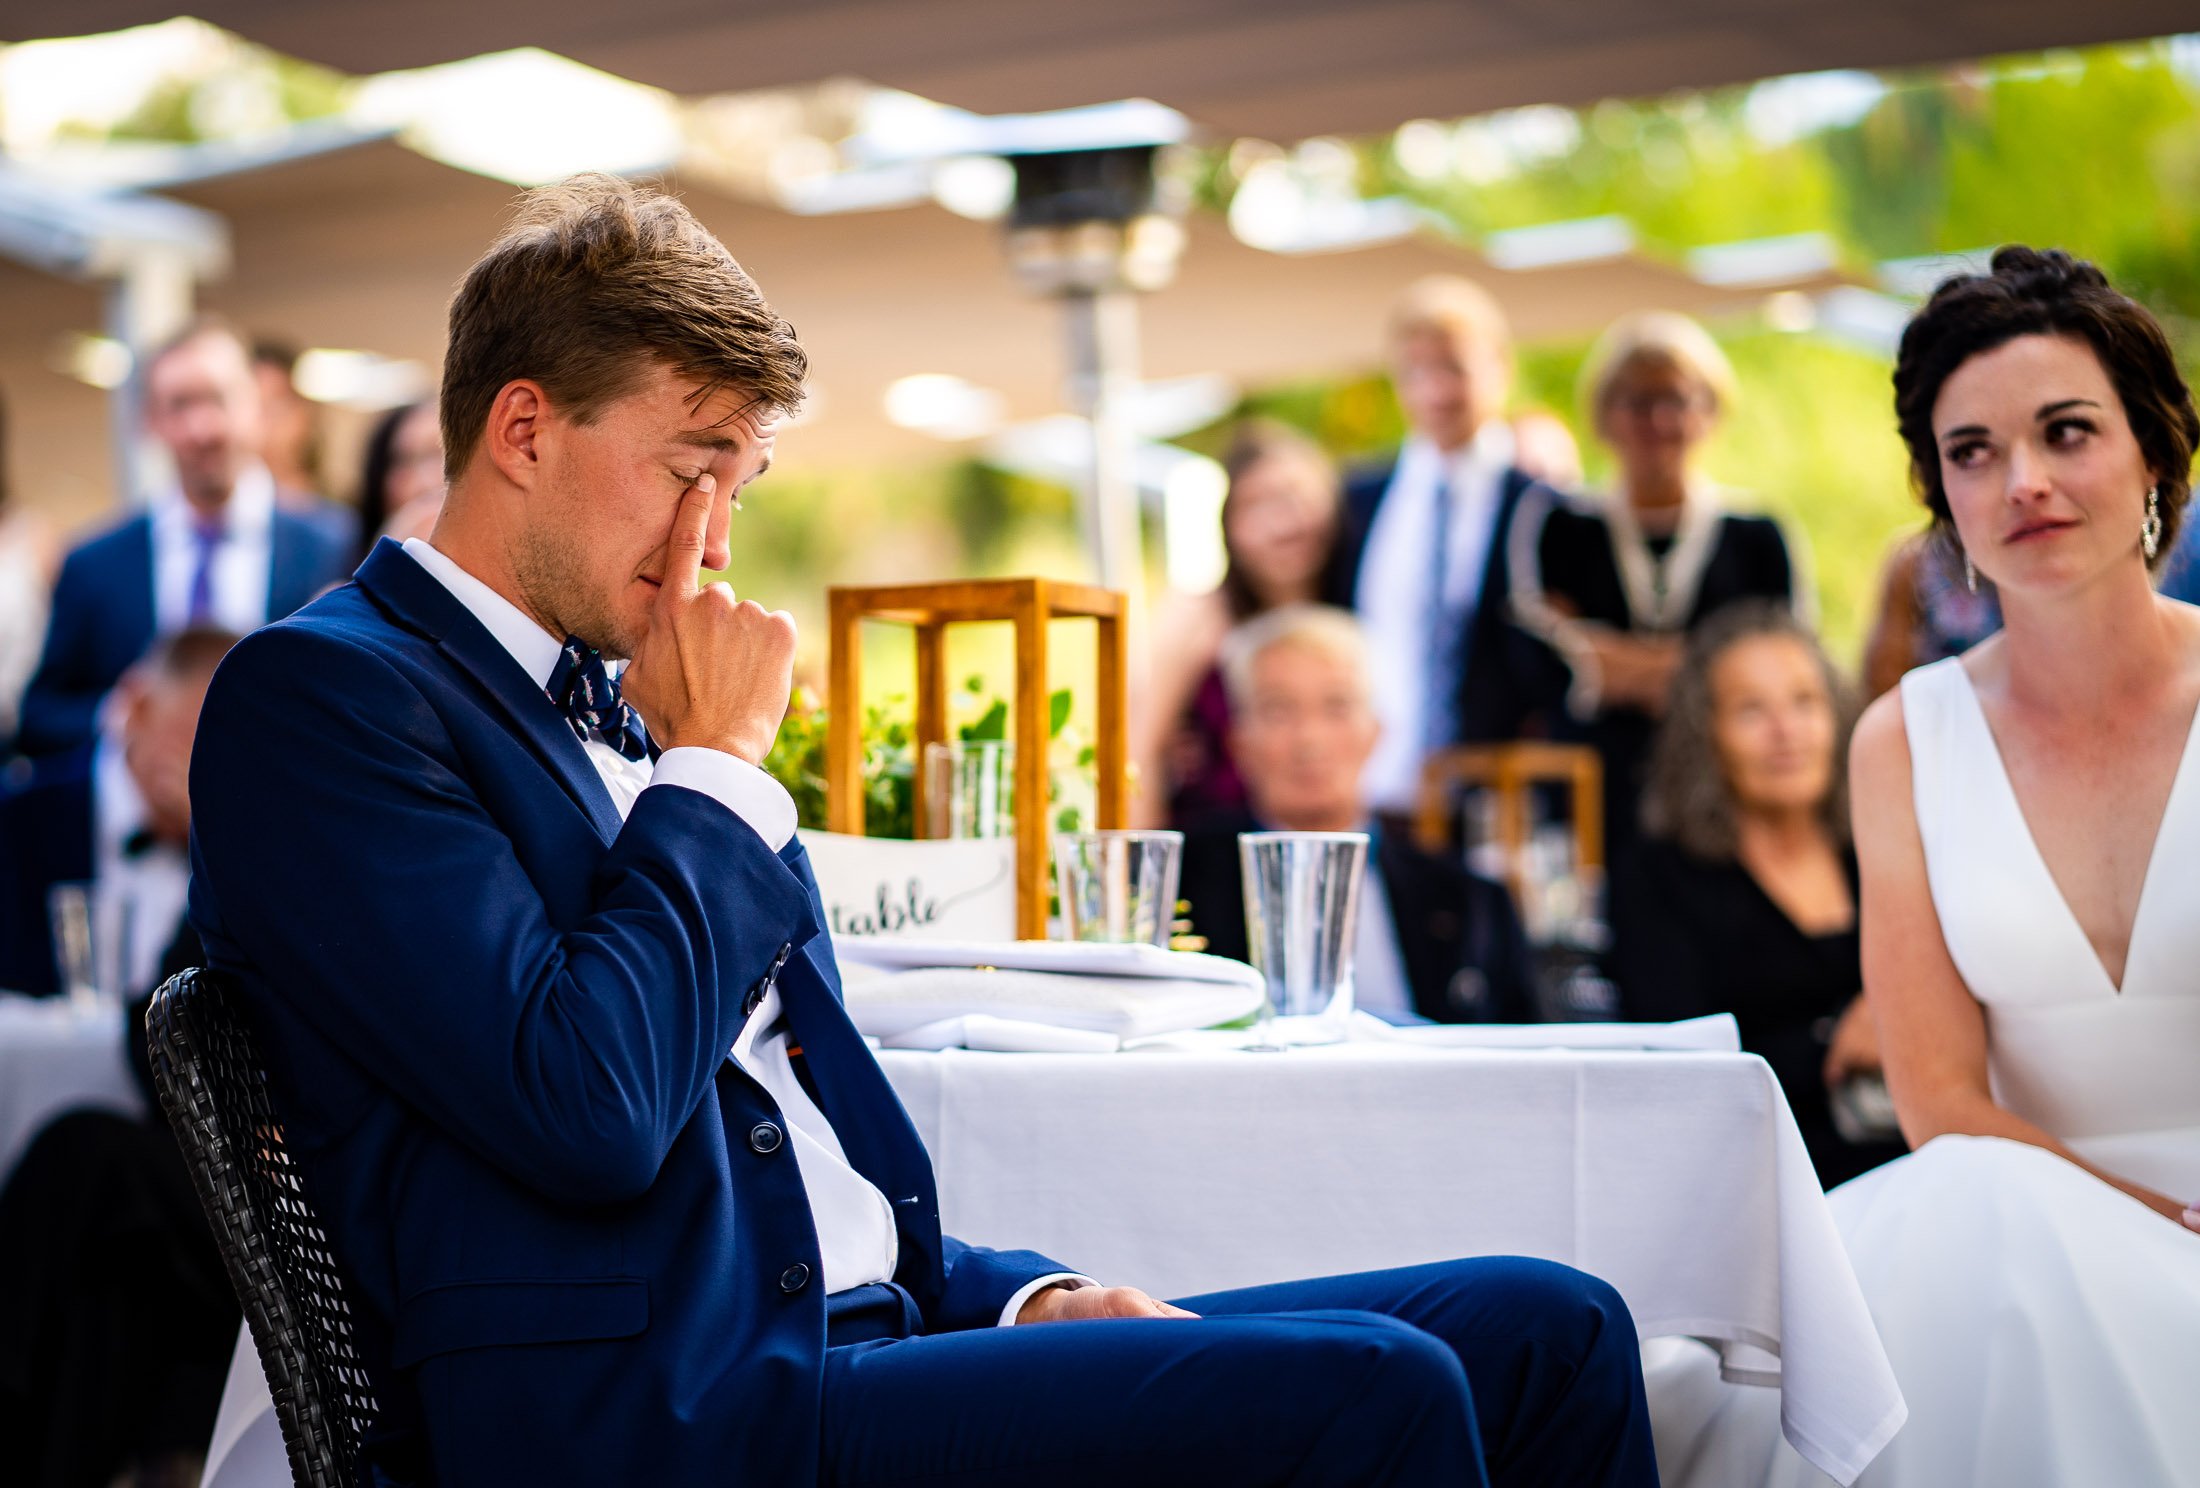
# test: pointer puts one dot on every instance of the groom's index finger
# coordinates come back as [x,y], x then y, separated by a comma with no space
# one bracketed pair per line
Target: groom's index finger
[690,527]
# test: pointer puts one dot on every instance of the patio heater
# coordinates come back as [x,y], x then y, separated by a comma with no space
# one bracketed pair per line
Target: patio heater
[1088,227]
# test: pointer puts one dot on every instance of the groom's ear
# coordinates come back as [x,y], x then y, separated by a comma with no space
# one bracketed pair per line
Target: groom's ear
[511,439]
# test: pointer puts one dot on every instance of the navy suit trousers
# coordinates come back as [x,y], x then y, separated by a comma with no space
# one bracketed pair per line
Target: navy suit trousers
[1496,1371]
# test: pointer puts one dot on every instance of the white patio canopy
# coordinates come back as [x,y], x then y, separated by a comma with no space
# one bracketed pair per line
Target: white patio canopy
[360,247]
[1280,69]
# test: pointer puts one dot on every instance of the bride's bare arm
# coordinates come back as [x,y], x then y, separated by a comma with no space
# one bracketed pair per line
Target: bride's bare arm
[1932,1031]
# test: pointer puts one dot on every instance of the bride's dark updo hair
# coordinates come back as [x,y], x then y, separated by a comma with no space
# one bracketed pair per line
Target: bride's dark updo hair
[2029,292]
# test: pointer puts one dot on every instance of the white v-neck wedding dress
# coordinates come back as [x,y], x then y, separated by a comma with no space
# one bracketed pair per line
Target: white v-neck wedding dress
[2044,1327]
[2113,1073]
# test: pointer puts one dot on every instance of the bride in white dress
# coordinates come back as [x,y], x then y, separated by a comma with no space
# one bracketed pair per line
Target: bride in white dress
[2028,831]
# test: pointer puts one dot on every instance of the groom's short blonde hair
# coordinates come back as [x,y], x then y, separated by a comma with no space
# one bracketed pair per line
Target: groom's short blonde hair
[595,280]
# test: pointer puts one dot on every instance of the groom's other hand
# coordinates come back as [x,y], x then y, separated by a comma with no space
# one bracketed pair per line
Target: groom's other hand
[713,670]
[1067,1304]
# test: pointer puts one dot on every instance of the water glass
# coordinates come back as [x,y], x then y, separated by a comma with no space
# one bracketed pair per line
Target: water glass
[1118,886]
[970,789]
[69,907]
[1302,899]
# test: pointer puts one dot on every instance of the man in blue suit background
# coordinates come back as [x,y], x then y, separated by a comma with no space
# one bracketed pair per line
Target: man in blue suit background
[1423,547]
[539,969]
[217,548]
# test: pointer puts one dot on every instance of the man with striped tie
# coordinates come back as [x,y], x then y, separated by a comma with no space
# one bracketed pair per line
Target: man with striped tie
[218,547]
[1424,543]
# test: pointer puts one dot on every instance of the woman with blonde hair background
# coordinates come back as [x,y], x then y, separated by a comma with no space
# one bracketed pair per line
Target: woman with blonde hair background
[1616,582]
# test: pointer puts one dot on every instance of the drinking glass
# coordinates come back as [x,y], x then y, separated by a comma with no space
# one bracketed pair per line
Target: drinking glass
[1118,885]
[1302,899]
[970,789]
[69,907]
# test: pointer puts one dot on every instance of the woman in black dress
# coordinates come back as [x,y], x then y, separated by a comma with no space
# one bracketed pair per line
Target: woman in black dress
[1743,893]
[1615,583]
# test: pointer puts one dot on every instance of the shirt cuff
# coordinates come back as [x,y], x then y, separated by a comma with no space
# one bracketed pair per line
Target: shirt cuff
[1585,692]
[734,783]
[1068,1280]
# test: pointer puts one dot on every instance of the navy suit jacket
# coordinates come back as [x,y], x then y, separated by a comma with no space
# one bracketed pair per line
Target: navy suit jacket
[496,1023]
[103,618]
[46,831]
[1510,683]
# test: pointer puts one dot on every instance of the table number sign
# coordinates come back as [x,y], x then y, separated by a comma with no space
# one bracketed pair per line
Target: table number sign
[946,890]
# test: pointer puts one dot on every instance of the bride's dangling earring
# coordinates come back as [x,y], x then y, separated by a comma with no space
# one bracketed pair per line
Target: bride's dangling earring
[2150,530]
[1970,574]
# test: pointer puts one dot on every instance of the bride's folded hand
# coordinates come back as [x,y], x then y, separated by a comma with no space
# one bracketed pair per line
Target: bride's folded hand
[1854,1047]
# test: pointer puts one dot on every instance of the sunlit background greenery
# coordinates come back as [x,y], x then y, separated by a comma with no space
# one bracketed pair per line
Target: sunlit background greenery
[2096,151]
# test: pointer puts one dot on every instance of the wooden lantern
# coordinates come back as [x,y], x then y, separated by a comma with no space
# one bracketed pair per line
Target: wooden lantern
[1028,604]
[1513,770]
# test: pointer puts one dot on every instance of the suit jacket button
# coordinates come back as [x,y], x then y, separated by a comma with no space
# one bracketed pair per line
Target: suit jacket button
[794,1278]
[754,1000]
[764,1137]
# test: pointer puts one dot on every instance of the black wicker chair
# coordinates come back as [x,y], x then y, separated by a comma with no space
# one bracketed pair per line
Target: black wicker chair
[214,1089]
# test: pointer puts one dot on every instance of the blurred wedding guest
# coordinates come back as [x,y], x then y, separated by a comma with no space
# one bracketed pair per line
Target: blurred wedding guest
[1279,532]
[1743,896]
[27,560]
[1424,543]
[2028,829]
[1930,607]
[401,478]
[290,427]
[2181,574]
[1615,582]
[215,548]
[113,816]
[116,1315]
[1434,941]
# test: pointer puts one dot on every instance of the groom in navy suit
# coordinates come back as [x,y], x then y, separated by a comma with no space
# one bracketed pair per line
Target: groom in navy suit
[539,970]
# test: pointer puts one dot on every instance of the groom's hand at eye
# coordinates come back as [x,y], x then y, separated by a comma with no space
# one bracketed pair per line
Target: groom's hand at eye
[712,670]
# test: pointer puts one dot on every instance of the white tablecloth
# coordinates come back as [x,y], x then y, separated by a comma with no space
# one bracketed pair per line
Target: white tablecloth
[1677,1176]
[55,1056]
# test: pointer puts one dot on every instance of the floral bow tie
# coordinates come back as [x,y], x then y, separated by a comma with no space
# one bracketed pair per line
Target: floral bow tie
[588,696]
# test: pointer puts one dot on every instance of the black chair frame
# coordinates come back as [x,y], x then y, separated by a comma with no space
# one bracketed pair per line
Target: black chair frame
[213,1086]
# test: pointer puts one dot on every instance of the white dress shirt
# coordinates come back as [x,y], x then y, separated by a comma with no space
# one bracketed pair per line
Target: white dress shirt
[1379,984]
[1392,592]
[857,1241]
[242,558]
[23,613]
[137,899]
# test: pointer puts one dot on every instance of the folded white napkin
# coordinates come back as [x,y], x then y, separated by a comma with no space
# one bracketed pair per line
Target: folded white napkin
[894,1005]
[1002,1036]
[1087,958]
